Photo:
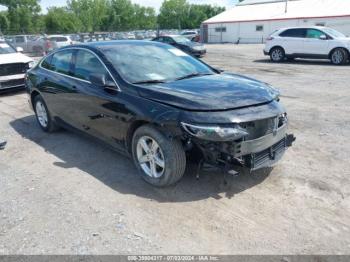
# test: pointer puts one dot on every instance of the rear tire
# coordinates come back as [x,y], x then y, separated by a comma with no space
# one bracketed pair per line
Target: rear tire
[339,56]
[277,54]
[151,147]
[43,115]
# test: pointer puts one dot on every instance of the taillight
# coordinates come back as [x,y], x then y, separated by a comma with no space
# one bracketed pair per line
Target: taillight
[269,38]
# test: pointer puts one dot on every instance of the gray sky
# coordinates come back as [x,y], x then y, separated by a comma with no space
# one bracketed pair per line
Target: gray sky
[154,3]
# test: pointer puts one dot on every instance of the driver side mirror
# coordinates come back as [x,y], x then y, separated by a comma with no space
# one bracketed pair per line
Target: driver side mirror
[19,49]
[323,37]
[100,80]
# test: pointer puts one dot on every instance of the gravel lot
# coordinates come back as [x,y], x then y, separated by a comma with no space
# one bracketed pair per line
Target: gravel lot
[64,194]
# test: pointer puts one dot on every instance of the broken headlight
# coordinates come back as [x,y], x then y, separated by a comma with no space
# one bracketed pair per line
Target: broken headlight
[215,133]
[30,65]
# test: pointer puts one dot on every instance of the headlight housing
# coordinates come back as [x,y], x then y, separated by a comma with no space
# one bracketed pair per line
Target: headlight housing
[31,64]
[215,132]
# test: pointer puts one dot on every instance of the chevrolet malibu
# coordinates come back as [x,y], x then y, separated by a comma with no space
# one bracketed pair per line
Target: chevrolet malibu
[160,106]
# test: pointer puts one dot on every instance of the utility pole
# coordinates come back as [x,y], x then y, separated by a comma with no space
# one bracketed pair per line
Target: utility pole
[286,7]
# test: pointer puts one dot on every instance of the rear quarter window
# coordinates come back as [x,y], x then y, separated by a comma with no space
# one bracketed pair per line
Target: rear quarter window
[46,63]
[297,32]
[61,62]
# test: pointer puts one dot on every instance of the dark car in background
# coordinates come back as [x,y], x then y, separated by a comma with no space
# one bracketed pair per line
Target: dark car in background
[160,106]
[183,43]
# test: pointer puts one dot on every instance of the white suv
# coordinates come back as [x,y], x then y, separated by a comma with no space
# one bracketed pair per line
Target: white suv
[308,42]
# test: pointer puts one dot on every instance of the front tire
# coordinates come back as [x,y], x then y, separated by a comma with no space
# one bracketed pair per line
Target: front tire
[277,54]
[43,115]
[339,56]
[160,161]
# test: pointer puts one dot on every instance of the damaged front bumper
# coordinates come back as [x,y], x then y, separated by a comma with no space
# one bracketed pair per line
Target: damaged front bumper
[254,154]
[268,156]
[265,144]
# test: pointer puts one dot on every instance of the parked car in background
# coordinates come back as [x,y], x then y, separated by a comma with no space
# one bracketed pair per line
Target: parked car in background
[189,47]
[130,36]
[139,35]
[13,66]
[61,40]
[32,44]
[151,34]
[308,42]
[190,35]
[120,36]
[158,104]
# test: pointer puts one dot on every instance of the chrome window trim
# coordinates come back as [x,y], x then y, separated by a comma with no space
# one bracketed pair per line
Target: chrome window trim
[83,80]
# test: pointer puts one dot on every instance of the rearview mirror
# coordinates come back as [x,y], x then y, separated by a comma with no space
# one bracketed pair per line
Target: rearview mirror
[100,80]
[19,49]
[323,37]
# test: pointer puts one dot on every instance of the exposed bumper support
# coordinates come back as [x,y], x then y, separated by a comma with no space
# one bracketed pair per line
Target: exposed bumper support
[261,143]
[269,156]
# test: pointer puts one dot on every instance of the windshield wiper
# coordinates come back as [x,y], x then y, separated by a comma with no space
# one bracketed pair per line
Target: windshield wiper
[192,75]
[150,81]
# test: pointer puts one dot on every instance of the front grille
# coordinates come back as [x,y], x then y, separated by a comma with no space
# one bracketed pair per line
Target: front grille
[12,83]
[263,127]
[13,69]
[270,154]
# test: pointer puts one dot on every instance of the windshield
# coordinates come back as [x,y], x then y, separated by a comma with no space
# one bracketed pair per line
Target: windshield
[150,62]
[181,39]
[58,39]
[6,48]
[333,32]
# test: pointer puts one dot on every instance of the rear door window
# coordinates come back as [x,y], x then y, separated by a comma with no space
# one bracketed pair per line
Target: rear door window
[160,39]
[168,40]
[296,32]
[61,62]
[86,64]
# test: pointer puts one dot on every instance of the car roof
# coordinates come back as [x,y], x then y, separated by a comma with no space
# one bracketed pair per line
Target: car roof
[97,44]
[303,27]
[57,36]
[171,35]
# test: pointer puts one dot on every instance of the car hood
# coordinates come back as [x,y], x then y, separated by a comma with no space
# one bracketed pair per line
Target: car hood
[345,40]
[14,58]
[191,44]
[211,92]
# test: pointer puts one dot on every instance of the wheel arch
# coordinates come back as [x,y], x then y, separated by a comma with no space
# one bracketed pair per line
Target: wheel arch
[130,132]
[33,94]
[338,47]
[275,46]
[170,131]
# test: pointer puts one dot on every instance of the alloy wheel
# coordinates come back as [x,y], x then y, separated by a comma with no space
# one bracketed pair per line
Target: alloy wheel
[277,55]
[41,113]
[150,157]
[337,57]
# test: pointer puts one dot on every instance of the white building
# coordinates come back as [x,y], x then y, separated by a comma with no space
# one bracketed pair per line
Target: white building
[252,21]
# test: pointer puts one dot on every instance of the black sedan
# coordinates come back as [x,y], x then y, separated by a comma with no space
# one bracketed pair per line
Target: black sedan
[183,43]
[160,106]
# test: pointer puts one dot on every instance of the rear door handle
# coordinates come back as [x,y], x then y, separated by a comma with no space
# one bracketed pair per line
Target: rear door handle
[74,87]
